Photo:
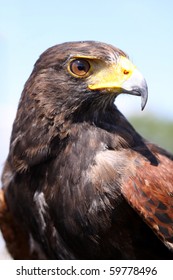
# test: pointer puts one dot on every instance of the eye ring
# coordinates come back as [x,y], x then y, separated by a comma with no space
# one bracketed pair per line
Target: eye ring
[79,67]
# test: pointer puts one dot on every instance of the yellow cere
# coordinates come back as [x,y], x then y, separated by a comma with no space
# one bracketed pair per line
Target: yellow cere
[112,75]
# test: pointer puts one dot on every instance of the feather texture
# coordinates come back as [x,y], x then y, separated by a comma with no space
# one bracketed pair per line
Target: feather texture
[79,180]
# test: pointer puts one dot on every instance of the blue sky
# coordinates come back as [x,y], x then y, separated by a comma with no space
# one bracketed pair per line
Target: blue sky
[143,29]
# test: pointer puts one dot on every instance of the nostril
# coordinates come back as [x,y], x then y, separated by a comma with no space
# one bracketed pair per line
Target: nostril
[126,72]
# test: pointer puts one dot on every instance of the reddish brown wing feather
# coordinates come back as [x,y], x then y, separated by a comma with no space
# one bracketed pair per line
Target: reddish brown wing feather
[150,193]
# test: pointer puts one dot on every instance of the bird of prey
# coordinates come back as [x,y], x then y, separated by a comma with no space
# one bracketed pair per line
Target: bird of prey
[79,181]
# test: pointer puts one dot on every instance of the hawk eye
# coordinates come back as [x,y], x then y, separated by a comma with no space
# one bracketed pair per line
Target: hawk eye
[79,67]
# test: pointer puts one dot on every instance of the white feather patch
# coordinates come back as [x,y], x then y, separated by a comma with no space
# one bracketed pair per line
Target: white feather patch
[41,206]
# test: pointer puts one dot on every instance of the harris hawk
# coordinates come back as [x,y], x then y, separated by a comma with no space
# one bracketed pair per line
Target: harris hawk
[79,181]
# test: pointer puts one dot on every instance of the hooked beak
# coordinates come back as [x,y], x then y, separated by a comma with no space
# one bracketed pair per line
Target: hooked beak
[136,85]
[122,77]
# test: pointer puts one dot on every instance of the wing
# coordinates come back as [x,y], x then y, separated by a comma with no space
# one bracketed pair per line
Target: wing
[150,192]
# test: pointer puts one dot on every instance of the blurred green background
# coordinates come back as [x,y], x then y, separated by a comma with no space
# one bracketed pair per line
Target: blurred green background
[158,131]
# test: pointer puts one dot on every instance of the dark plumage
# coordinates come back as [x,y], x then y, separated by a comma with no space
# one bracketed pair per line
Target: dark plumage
[79,180]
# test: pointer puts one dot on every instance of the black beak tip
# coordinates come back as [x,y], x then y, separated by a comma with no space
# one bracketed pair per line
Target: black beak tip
[144,98]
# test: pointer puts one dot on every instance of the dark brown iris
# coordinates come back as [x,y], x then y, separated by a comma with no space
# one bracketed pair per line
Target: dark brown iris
[80,67]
